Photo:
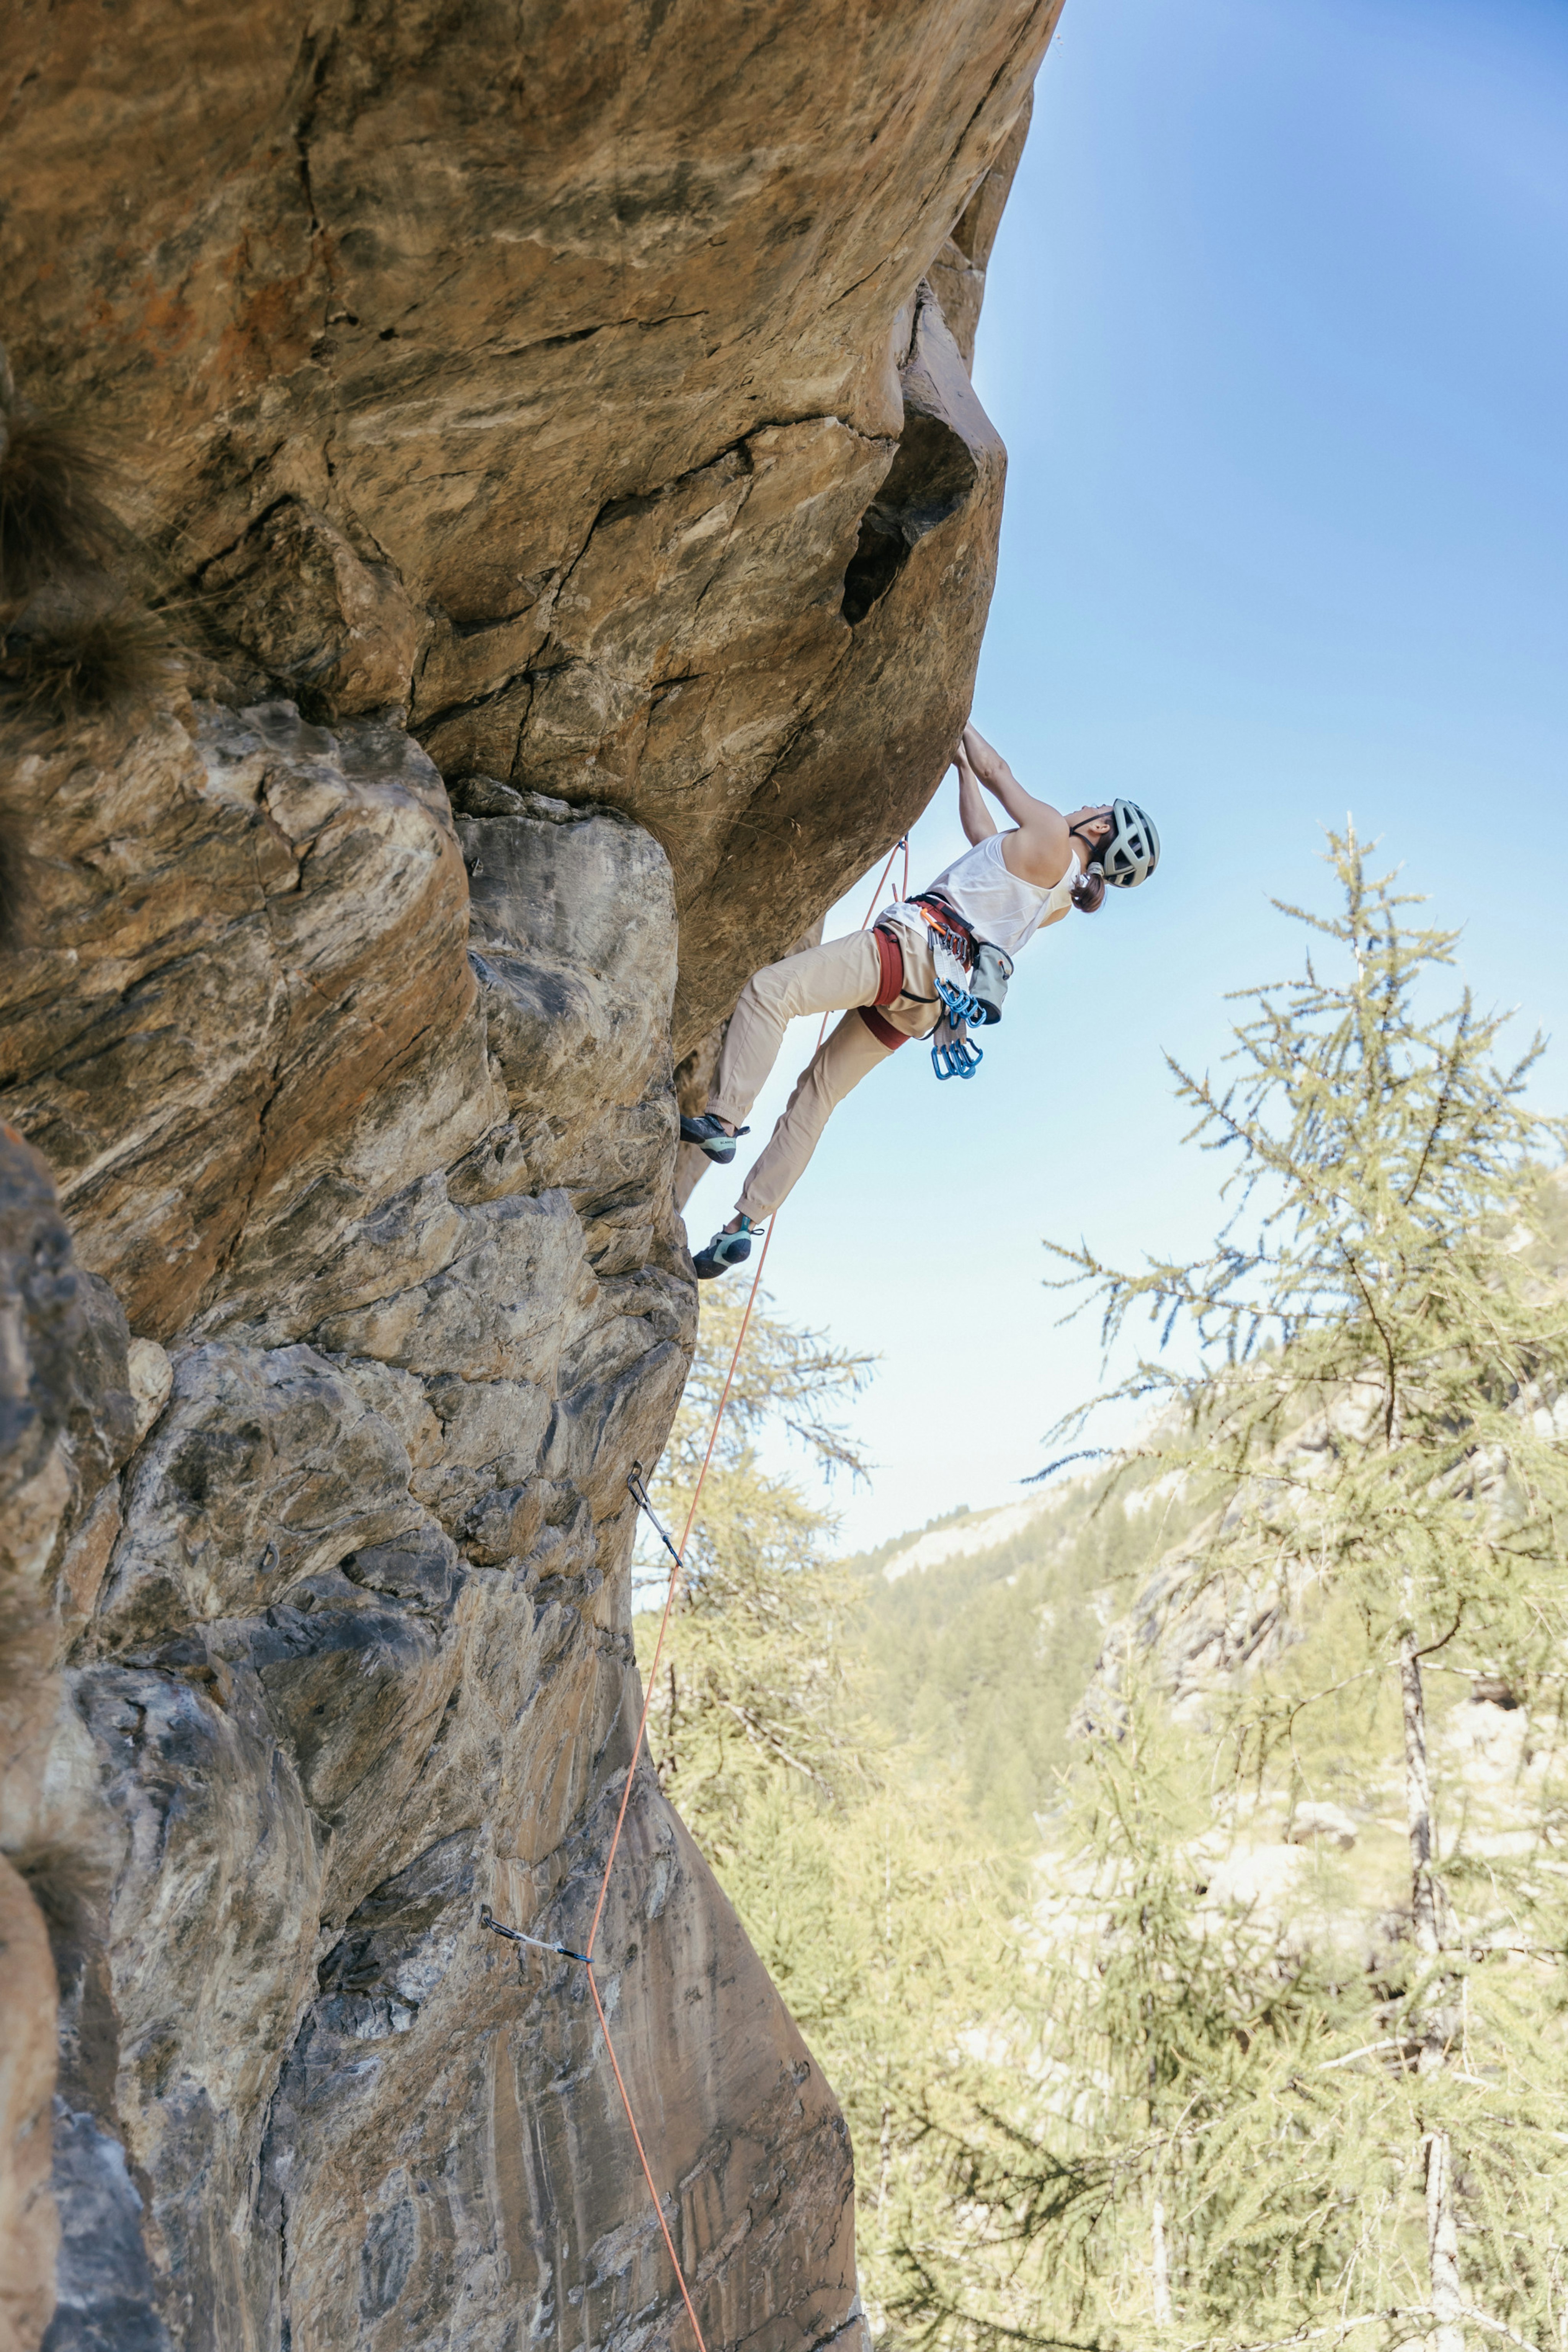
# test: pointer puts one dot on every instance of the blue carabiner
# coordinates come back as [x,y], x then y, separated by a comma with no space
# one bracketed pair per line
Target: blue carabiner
[961,1005]
[959,1060]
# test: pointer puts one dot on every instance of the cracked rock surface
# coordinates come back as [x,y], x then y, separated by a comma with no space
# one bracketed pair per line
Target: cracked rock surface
[533,372]
[557,427]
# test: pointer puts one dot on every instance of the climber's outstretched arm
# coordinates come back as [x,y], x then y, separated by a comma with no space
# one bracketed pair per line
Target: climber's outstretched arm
[974,815]
[1041,850]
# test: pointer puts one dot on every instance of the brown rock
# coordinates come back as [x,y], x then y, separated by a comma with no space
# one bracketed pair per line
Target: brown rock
[564,349]
[580,393]
[957,274]
[30,2225]
[251,927]
[315,613]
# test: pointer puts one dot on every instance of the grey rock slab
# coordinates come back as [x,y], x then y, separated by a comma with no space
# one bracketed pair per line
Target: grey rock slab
[492,1313]
[575,948]
[265,1465]
[108,2295]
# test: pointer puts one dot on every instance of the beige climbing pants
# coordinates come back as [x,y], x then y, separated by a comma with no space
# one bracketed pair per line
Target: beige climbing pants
[834,977]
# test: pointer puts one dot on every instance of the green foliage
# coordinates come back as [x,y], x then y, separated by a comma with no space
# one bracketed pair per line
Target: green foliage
[1380,1363]
[1229,2136]
[1154,2036]
[1145,2112]
[1207,2130]
[973,1666]
[857,1880]
[750,1679]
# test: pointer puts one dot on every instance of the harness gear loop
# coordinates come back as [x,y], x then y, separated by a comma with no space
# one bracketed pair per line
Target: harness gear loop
[949,926]
[971,978]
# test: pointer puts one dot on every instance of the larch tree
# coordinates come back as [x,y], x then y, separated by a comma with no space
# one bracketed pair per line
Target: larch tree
[750,1681]
[855,1876]
[1371,1402]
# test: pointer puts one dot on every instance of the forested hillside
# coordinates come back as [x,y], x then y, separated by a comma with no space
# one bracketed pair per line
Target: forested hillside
[973,1667]
[1175,1886]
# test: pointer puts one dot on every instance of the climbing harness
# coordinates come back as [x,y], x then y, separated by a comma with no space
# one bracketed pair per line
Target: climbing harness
[971,978]
[637,1488]
[947,924]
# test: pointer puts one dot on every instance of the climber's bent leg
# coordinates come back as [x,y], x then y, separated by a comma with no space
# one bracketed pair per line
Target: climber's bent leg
[828,979]
[839,1062]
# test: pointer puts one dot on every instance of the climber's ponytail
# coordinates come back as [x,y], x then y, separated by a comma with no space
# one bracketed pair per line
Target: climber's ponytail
[1089,890]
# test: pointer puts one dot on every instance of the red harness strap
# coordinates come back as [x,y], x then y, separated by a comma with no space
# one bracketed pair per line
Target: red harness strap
[883,1031]
[890,990]
[890,949]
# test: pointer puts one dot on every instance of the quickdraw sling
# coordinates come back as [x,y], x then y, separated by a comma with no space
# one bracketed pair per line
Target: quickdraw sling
[972,981]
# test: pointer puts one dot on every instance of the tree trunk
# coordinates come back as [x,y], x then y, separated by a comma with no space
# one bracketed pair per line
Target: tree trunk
[1424,1895]
[1162,2268]
[1442,2244]
[1427,1919]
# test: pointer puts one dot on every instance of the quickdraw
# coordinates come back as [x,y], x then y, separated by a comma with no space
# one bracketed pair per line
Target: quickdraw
[953,1055]
[961,1006]
[953,959]
[516,1936]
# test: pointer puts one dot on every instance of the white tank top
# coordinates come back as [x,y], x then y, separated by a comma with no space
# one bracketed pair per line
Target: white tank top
[999,908]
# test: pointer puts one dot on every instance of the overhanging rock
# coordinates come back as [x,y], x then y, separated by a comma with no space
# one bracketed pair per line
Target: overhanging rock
[575,527]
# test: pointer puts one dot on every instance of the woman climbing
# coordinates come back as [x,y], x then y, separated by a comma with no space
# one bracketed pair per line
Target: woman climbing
[937,963]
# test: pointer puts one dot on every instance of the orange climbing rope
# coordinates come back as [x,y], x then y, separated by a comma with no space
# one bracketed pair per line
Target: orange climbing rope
[678,1556]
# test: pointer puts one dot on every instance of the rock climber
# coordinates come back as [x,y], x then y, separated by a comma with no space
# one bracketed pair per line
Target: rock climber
[932,965]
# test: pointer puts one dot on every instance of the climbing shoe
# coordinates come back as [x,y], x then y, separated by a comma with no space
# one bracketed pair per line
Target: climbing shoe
[710,1137]
[724,1251]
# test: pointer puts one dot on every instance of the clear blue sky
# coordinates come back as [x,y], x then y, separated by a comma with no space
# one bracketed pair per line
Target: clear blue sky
[1276,333]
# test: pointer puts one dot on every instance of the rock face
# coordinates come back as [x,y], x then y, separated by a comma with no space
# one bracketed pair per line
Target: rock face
[552,434]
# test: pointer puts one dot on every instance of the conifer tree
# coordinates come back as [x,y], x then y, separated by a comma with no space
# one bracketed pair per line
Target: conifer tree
[1164,2146]
[750,1681]
[1372,1411]
[855,1878]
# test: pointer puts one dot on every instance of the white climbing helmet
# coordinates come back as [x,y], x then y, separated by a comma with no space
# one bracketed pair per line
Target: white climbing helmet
[1132,854]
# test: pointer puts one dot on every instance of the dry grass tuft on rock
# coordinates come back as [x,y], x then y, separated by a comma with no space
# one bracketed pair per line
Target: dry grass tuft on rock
[55,523]
[87,665]
[15,904]
[75,642]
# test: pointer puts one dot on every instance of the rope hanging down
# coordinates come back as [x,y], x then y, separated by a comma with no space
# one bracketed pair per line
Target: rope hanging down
[638,1492]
